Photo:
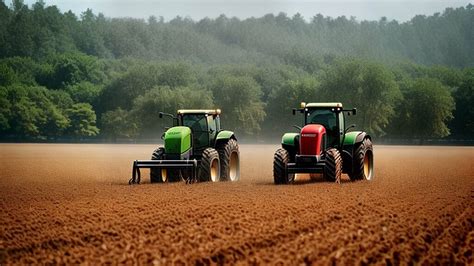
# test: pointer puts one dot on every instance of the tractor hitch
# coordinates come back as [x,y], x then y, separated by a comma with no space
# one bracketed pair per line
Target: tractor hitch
[161,164]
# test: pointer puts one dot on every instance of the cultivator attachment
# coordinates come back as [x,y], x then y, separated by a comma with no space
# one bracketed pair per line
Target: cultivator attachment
[162,164]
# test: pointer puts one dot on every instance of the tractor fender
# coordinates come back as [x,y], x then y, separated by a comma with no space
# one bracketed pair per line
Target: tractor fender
[289,139]
[354,137]
[362,136]
[224,136]
[290,142]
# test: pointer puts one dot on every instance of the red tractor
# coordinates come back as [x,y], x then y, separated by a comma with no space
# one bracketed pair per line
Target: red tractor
[324,146]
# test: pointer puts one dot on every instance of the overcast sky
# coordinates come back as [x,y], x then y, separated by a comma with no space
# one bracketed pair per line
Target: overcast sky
[401,10]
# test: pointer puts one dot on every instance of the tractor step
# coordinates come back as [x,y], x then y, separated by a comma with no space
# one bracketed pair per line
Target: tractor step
[161,164]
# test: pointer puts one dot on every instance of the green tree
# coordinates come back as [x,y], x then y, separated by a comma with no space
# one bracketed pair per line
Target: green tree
[146,108]
[31,113]
[85,92]
[463,123]
[25,70]
[4,20]
[368,86]
[176,75]
[124,89]
[239,99]
[53,121]
[7,75]
[70,69]
[279,117]
[5,110]
[426,110]
[83,119]
[25,115]
[20,31]
[119,123]
[60,98]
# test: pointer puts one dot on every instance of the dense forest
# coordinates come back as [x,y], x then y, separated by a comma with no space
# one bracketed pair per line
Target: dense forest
[64,76]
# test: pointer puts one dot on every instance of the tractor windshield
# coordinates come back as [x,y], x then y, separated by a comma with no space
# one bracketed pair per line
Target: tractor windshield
[324,117]
[198,125]
[328,119]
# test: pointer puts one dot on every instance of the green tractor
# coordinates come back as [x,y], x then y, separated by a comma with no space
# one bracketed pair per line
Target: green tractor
[324,146]
[195,149]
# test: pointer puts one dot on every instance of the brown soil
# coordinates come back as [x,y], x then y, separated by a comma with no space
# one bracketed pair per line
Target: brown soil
[72,204]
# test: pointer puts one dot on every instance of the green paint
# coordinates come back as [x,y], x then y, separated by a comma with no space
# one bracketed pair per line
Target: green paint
[289,139]
[177,140]
[224,134]
[350,137]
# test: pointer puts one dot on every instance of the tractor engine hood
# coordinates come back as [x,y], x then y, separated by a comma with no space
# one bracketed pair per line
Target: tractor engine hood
[177,140]
[311,139]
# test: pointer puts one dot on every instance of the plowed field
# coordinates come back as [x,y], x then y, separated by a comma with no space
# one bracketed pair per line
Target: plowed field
[72,204]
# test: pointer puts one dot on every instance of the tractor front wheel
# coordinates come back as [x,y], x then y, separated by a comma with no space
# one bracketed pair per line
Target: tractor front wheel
[333,166]
[210,169]
[230,161]
[162,175]
[363,164]
[280,167]
[158,175]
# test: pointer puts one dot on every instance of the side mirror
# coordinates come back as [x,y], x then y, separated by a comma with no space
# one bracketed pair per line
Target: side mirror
[294,111]
[354,111]
[160,115]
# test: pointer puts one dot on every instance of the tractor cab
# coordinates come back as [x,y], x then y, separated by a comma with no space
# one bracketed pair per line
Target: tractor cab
[204,125]
[328,115]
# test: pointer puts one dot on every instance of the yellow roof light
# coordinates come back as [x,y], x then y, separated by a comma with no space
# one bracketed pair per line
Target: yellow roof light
[218,111]
[303,105]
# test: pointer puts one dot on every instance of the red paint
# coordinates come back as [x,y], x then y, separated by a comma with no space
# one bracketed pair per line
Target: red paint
[311,139]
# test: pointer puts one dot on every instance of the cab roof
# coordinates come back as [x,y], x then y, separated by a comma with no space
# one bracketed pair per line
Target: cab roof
[199,111]
[329,105]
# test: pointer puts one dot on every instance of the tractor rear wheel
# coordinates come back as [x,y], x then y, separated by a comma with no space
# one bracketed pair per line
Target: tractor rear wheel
[280,167]
[230,161]
[363,164]
[158,175]
[333,167]
[210,169]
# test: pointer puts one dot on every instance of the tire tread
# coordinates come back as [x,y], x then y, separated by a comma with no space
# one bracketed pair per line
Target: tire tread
[208,155]
[280,161]
[225,151]
[333,166]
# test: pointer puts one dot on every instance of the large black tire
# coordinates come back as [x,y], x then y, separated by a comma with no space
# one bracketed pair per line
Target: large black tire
[280,167]
[155,173]
[209,168]
[333,167]
[230,160]
[363,162]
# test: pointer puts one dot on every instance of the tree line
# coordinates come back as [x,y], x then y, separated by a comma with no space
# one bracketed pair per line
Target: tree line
[64,76]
